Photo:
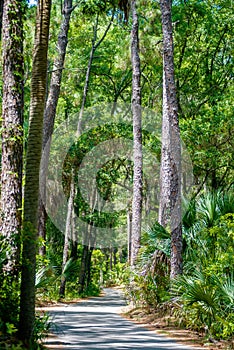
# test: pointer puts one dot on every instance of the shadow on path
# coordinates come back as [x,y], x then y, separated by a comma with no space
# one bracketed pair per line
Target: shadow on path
[95,324]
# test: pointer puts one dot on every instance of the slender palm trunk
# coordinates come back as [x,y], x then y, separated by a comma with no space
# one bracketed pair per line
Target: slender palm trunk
[33,157]
[137,138]
[170,172]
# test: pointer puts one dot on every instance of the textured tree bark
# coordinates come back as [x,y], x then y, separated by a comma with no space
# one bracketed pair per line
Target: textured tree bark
[33,157]
[1,15]
[170,171]
[129,225]
[42,218]
[50,111]
[12,132]
[137,138]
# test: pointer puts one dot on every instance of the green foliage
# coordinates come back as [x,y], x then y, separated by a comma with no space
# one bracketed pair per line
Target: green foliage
[203,33]
[13,346]
[204,72]
[91,7]
[41,327]
[9,313]
[209,237]
[115,276]
[202,298]
[148,284]
[146,290]
[206,290]
[206,303]
[9,296]
[46,276]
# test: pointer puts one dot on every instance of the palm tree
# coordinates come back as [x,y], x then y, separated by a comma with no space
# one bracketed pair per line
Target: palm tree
[33,157]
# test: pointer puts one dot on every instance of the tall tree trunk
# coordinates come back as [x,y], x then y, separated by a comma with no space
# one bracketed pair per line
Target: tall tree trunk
[111,258]
[83,269]
[74,243]
[129,224]
[1,17]
[68,236]
[137,138]
[50,110]
[12,132]
[170,172]
[89,265]
[115,251]
[33,157]
[84,275]
[42,218]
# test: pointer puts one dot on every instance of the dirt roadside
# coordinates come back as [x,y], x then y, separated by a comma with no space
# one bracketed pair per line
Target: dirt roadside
[167,327]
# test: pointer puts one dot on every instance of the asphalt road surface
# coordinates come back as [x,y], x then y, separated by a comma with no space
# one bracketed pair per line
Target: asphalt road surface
[96,324]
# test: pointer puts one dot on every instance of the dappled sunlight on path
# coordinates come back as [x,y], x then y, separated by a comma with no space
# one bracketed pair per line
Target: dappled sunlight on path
[95,324]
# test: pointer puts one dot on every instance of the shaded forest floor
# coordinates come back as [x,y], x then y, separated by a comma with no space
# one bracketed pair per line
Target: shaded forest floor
[167,326]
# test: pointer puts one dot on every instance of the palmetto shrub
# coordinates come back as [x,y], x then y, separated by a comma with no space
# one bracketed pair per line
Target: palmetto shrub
[148,285]
[206,303]
[203,297]
[206,291]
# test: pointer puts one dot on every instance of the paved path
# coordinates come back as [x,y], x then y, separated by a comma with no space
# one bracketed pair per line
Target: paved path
[95,324]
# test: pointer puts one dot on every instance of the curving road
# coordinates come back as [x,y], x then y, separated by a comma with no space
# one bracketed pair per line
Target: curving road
[95,324]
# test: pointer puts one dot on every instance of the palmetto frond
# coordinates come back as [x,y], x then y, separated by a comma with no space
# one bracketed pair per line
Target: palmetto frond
[49,274]
[155,238]
[155,232]
[189,217]
[211,296]
[208,209]
[212,205]
[155,251]
[226,202]
[70,270]
[226,291]
[45,276]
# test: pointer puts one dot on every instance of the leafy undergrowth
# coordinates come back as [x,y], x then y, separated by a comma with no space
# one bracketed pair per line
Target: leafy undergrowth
[168,326]
[12,343]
